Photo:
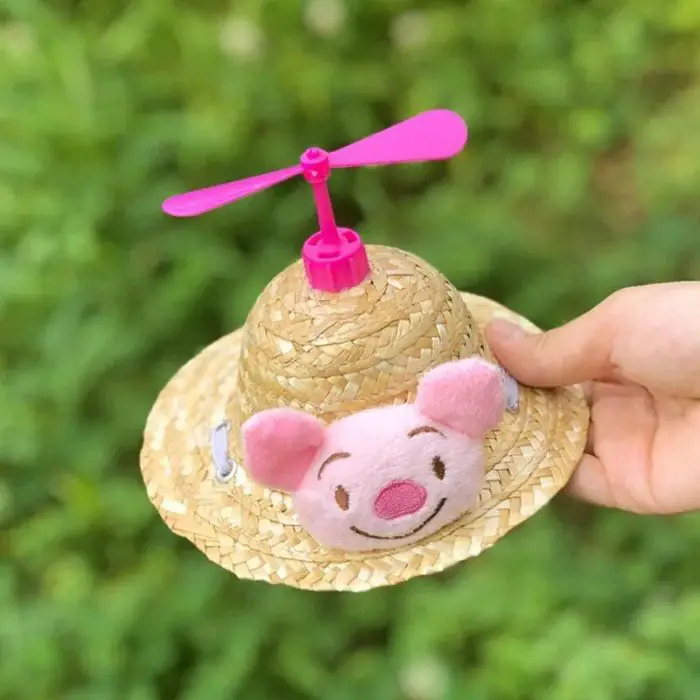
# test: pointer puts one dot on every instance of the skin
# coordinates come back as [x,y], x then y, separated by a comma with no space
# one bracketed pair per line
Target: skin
[638,356]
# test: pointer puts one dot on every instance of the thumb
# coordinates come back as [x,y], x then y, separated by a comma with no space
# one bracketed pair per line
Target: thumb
[576,352]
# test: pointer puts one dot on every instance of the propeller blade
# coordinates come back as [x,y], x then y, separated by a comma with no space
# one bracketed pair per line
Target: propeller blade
[434,135]
[204,200]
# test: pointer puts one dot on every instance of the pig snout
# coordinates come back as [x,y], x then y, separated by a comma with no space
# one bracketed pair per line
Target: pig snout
[399,498]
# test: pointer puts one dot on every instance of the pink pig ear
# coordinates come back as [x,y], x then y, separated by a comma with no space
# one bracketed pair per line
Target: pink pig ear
[465,395]
[279,446]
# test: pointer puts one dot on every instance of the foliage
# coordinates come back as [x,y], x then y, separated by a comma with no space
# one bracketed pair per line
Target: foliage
[581,176]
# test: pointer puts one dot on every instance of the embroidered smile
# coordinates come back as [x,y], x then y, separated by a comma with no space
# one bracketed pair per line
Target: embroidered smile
[407,534]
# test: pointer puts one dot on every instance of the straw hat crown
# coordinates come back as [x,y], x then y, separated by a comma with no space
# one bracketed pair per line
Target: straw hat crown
[332,355]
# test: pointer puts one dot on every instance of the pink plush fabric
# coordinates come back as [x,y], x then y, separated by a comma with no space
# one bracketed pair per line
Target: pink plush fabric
[383,477]
[467,397]
[399,498]
[281,444]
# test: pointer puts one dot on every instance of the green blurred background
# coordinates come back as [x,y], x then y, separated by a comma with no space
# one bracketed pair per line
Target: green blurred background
[581,176]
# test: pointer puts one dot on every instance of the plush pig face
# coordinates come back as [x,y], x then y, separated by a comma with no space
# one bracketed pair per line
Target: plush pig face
[388,476]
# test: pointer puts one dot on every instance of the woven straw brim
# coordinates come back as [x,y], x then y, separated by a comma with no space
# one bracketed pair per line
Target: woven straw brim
[250,531]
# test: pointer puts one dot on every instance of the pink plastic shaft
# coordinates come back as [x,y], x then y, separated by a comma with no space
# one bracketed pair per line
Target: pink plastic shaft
[317,170]
[333,260]
[326,220]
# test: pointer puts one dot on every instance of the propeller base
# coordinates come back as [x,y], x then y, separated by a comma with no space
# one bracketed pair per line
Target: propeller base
[335,268]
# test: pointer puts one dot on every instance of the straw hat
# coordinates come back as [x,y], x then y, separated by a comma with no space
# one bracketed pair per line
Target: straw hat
[335,356]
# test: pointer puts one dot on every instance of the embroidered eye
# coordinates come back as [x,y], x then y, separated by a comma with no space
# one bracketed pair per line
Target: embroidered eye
[439,468]
[342,498]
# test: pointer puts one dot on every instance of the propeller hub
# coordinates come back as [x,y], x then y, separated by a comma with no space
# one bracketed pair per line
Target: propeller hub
[315,165]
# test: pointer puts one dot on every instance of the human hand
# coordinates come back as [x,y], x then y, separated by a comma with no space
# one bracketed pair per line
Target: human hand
[638,355]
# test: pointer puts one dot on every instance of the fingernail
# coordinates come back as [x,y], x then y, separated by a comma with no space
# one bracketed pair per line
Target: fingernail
[505,331]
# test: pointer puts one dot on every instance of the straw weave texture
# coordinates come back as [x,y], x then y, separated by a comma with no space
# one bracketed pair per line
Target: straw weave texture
[332,355]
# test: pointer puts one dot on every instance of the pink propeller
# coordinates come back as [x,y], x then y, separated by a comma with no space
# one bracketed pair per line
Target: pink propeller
[336,259]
